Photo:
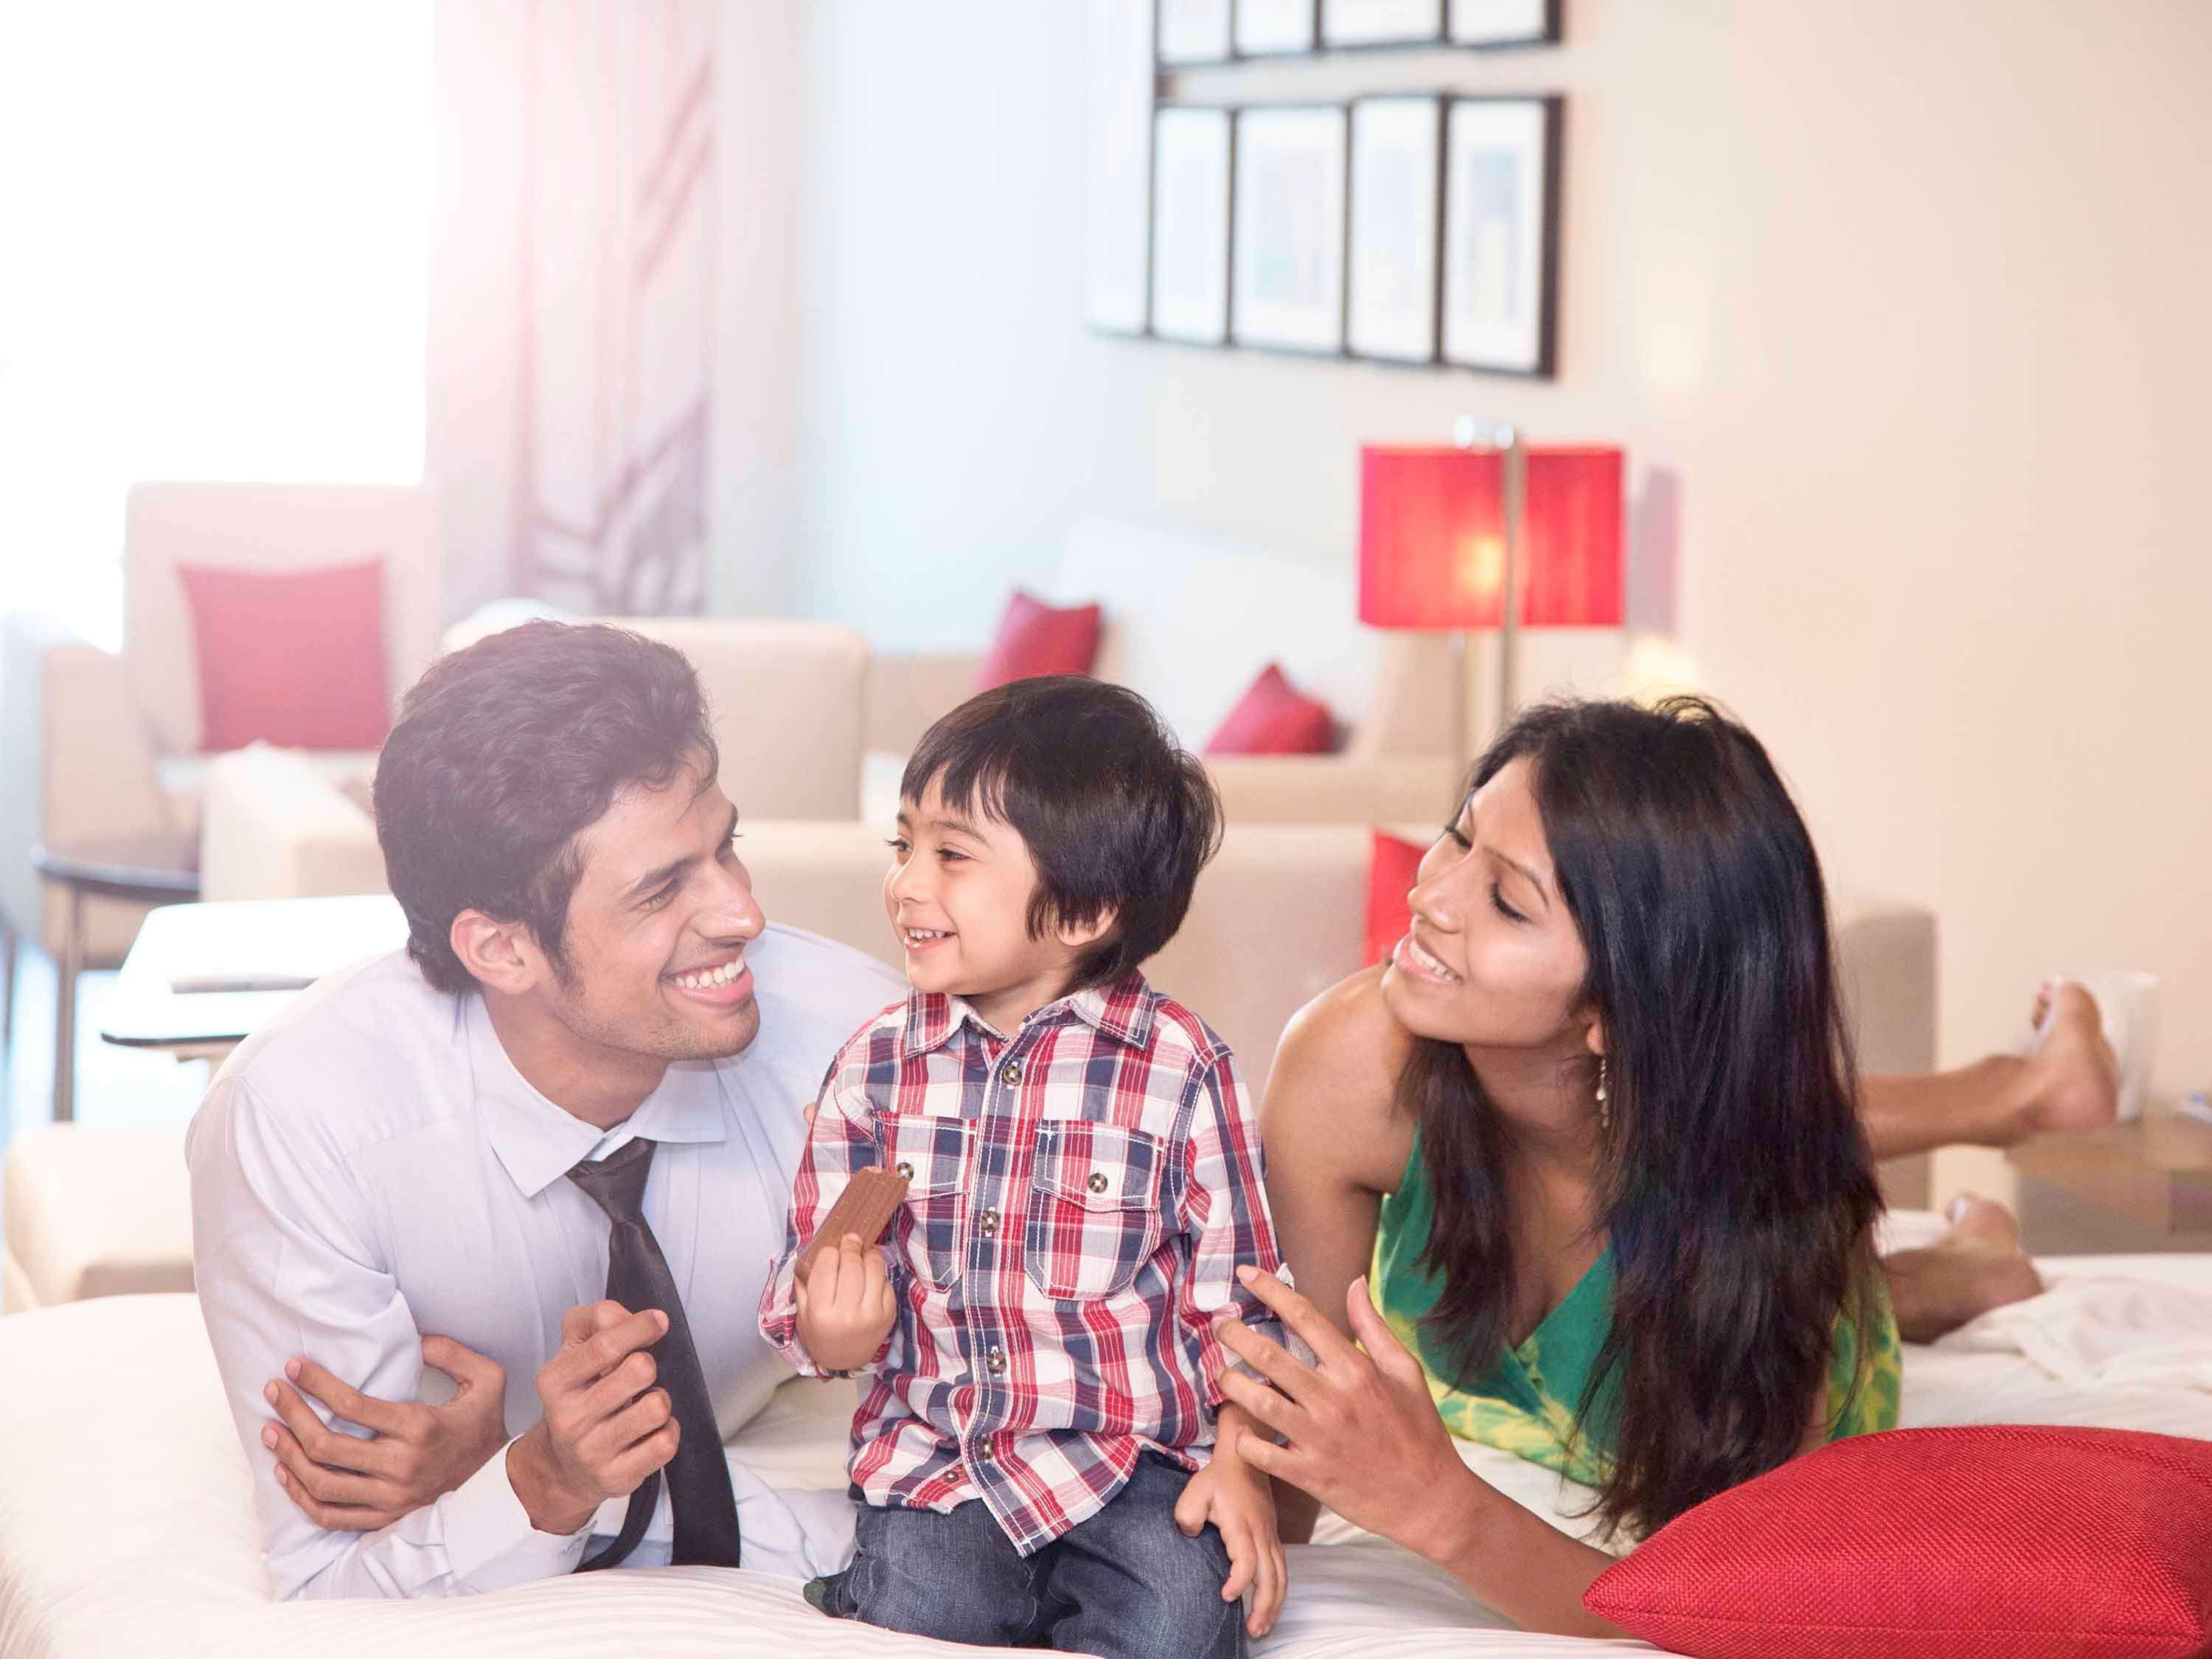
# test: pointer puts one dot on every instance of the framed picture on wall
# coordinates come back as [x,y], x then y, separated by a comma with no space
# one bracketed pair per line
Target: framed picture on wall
[1286,292]
[1117,135]
[1505,22]
[1397,205]
[1195,32]
[1275,28]
[1192,149]
[1501,233]
[1382,22]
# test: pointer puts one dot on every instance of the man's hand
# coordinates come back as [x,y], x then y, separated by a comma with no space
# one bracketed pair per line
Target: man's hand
[845,1306]
[607,1427]
[1241,1504]
[413,1455]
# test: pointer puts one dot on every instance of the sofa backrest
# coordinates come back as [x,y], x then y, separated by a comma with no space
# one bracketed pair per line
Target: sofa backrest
[249,526]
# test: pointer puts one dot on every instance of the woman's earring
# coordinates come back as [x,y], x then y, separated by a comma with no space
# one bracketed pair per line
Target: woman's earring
[1604,1110]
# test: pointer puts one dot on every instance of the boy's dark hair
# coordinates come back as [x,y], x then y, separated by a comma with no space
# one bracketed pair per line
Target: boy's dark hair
[1114,814]
[504,754]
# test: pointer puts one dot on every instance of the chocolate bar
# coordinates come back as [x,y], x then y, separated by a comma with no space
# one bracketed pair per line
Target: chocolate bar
[866,1206]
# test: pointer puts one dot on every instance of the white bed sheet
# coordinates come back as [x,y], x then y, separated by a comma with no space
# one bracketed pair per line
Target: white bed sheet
[126,1526]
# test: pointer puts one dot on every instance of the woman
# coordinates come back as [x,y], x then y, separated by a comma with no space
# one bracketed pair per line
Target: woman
[1596,1129]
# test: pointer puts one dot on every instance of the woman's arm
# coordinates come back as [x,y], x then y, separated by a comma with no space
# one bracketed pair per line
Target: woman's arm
[1361,1434]
[1332,1150]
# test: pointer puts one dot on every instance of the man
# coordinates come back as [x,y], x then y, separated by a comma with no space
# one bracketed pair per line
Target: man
[546,1149]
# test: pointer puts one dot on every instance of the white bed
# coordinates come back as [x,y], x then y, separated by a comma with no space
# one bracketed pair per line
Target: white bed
[126,1528]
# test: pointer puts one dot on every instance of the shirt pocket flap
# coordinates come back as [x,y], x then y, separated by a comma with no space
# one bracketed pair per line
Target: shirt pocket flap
[931,1152]
[1097,1166]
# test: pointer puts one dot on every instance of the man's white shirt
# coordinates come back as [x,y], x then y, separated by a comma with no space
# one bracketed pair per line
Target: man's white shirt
[371,1169]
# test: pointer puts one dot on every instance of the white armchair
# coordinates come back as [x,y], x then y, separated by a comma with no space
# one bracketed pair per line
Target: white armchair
[95,746]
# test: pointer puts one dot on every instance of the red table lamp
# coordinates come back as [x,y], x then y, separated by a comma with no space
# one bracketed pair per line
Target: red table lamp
[1458,538]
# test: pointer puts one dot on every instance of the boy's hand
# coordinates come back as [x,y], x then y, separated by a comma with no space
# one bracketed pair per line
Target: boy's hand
[845,1306]
[1239,1501]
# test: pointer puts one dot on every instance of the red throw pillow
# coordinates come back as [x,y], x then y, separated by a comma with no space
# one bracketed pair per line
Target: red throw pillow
[1035,638]
[1972,1543]
[1275,718]
[1392,865]
[290,657]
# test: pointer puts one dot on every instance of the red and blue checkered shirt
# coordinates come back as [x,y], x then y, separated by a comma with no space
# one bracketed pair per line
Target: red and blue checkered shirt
[1079,1196]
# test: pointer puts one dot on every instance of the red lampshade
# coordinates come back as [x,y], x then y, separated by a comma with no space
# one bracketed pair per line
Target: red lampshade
[1433,539]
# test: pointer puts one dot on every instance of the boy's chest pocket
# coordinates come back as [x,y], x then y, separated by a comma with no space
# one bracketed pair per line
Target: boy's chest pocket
[933,1154]
[1094,1209]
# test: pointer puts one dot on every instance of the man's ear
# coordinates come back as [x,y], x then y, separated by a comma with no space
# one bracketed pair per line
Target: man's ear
[502,955]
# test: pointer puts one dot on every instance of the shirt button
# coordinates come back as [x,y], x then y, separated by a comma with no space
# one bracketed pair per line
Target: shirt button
[995,1361]
[1098,1181]
[988,1221]
[1012,1076]
[906,1172]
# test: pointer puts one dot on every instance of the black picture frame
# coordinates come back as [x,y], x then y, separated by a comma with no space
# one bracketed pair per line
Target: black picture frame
[1547,30]
[1344,34]
[1193,34]
[1306,38]
[1471,335]
[1320,332]
[1195,257]
[1365,328]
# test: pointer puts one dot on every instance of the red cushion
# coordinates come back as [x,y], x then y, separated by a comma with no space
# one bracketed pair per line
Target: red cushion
[1392,866]
[1275,718]
[1035,638]
[290,657]
[1971,1543]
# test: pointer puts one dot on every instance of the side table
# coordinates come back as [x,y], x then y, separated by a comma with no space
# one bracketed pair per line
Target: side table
[139,869]
[2155,1173]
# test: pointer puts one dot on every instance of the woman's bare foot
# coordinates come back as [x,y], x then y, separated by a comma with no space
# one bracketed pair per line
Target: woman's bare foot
[1977,1266]
[2071,1080]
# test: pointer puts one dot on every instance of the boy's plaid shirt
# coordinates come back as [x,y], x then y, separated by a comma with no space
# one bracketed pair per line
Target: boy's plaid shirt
[1080,1194]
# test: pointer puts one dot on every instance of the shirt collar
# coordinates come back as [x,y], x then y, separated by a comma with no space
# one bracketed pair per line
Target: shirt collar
[1122,1010]
[538,1142]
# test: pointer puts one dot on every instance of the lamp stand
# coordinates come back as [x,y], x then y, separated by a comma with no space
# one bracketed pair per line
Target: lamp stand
[1506,439]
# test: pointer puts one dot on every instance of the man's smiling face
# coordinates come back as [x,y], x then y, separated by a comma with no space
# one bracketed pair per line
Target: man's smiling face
[658,926]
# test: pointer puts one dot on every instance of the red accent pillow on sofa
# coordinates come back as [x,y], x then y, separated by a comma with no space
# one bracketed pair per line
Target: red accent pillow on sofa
[1392,863]
[1274,717]
[1035,638]
[1970,1543]
[294,658]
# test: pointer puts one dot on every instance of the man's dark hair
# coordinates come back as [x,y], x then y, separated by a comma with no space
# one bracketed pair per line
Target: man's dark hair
[504,754]
[1114,814]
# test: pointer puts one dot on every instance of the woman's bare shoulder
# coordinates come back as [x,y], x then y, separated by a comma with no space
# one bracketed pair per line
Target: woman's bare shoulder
[1334,1079]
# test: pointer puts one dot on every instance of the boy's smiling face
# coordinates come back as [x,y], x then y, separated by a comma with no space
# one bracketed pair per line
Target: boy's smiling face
[958,895]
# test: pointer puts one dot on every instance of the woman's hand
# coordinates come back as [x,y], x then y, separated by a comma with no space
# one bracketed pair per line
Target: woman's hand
[1361,1430]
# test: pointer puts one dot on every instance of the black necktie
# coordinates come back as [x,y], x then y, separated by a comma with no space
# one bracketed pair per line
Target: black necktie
[638,1278]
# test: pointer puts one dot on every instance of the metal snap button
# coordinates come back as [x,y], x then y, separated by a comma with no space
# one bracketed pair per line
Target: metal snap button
[989,1223]
[906,1172]
[1097,1183]
[995,1361]
[1012,1077]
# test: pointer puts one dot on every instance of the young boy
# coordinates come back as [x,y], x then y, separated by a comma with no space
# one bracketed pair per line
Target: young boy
[1040,1445]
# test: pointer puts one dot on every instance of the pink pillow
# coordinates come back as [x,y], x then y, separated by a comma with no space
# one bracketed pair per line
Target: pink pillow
[1393,863]
[294,658]
[1034,639]
[1274,718]
[1971,1543]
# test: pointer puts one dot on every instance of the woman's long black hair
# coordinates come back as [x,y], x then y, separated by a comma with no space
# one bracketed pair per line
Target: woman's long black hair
[1735,1185]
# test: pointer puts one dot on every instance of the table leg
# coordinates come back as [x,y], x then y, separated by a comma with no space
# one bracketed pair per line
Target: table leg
[72,963]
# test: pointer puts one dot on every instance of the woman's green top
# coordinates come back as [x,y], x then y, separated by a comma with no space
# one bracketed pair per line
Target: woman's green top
[1525,1403]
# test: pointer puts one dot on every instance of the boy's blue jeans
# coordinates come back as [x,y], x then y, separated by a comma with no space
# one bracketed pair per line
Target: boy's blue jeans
[1124,1583]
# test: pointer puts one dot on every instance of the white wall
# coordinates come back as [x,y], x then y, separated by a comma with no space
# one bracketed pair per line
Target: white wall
[1908,301]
